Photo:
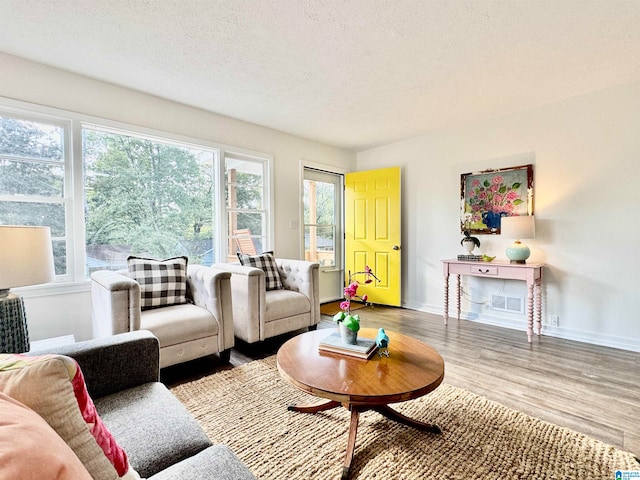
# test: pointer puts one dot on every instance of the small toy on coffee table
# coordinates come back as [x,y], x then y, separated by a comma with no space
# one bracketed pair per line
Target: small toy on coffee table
[382,340]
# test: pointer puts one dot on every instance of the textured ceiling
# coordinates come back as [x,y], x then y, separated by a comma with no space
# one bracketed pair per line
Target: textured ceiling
[355,73]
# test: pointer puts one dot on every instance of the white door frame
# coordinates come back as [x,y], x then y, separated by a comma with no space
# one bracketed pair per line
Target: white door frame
[328,275]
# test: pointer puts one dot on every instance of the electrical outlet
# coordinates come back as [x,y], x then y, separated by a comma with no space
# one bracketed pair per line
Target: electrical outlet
[553,320]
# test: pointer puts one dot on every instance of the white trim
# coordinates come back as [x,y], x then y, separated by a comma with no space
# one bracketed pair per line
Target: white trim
[594,338]
[324,168]
[119,126]
[75,121]
[76,234]
[302,165]
[338,268]
[52,289]
[266,161]
[270,192]
[65,122]
[29,111]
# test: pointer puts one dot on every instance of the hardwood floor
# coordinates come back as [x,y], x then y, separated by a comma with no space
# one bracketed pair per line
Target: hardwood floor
[587,388]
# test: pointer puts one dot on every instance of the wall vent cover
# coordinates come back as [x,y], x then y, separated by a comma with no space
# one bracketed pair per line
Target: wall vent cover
[507,304]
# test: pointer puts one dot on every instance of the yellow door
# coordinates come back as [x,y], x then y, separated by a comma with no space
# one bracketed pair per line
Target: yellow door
[372,232]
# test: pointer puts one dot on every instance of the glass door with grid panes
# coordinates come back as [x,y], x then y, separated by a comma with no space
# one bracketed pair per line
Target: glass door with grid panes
[323,229]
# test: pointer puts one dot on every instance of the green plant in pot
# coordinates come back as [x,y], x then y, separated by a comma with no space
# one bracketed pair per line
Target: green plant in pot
[350,324]
[469,242]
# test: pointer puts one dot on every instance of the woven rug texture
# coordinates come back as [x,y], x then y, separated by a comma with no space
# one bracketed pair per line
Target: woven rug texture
[246,409]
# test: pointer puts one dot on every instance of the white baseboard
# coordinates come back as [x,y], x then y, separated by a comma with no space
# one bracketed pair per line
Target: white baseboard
[594,338]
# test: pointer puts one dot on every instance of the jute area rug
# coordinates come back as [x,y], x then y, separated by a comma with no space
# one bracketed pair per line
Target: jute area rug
[245,408]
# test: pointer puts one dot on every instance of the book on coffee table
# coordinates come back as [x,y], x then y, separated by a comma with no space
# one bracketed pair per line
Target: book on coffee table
[364,347]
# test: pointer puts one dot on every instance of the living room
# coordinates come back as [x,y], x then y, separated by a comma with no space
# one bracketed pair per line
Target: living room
[592,294]
[582,141]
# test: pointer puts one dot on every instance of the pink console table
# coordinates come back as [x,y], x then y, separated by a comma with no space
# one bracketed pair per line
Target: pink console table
[530,273]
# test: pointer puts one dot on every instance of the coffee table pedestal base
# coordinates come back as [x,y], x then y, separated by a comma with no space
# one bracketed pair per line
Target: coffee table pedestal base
[355,410]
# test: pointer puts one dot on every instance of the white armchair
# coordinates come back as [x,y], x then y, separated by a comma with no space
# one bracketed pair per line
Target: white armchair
[259,314]
[186,331]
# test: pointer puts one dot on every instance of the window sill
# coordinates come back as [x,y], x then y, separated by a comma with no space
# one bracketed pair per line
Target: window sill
[49,289]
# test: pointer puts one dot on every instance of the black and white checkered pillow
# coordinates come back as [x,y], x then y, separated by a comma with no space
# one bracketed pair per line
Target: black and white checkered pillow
[267,262]
[162,282]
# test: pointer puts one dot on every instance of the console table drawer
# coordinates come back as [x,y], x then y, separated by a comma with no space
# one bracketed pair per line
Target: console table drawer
[484,270]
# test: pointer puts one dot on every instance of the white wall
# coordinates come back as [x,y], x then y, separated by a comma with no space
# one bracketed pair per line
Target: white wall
[585,152]
[586,156]
[56,313]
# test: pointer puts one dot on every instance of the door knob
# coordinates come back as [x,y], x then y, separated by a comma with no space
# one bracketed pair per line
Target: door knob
[396,247]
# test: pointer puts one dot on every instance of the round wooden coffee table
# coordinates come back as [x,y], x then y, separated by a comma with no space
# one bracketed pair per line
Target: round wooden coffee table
[412,369]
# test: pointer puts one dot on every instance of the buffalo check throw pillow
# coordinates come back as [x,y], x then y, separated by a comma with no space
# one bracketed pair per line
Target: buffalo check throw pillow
[267,262]
[162,282]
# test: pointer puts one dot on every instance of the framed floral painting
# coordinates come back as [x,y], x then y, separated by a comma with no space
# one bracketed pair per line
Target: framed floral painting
[487,196]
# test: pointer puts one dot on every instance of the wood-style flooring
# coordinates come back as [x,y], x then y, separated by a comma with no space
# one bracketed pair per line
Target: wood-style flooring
[587,388]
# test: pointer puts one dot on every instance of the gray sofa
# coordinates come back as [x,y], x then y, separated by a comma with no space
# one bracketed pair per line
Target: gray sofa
[162,440]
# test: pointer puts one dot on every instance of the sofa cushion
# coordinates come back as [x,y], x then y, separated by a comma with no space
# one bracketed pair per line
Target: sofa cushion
[153,427]
[162,282]
[53,386]
[217,462]
[285,303]
[31,449]
[267,262]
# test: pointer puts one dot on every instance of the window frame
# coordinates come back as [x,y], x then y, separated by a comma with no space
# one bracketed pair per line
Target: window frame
[158,140]
[67,198]
[74,180]
[267,199]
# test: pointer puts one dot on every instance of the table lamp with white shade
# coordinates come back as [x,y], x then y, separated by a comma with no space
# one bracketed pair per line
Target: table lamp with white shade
[519,227]
[26,258]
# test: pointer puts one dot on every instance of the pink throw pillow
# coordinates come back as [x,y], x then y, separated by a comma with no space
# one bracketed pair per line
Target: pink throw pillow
[31,450]
[53,386]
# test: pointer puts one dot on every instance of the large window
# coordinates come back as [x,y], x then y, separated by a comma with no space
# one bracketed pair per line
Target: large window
[34,157]
[109,190]
[146,197]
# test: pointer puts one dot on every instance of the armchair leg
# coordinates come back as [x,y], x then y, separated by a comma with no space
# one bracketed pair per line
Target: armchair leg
[225,355]
[313,327]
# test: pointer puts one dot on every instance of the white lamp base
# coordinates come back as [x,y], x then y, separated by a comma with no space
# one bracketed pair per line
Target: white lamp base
[518,252]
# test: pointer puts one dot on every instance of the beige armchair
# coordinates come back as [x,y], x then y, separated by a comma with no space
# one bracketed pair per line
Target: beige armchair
[186,331]
[259,314]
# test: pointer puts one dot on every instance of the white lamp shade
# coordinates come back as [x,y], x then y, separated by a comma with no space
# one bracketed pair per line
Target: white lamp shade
[520,227]
[26,256]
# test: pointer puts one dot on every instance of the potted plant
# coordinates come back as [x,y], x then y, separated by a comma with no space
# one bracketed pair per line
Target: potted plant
[350,324]
[469,242]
